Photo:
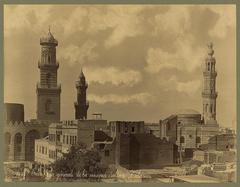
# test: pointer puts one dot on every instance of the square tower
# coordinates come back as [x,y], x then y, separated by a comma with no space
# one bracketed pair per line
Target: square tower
[48,91]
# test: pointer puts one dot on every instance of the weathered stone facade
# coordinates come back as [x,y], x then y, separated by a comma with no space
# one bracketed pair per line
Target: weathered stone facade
[128,146]
[19,135]
[144,151]
[220,142]
[48,90]
[65,134]
[209,93]
[81,106]
[138,149]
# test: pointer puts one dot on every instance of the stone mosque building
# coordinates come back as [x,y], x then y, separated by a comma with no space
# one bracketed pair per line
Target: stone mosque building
[186,130]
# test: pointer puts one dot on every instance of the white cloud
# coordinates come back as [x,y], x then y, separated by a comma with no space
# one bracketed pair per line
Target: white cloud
[21,17]
[123,20]
[73,54]
[175,21]
[113,75]
[158,59]
[141,98]
[227,19]
[188,87]
[184,58]
[126,22]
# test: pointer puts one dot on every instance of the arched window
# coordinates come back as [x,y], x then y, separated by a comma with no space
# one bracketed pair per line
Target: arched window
[182,139]
[208,66]
[48,105]
[49,59]
[211,108]
[48,78]
[17,146]
[206,108]
[168,126]
[18,138]
[198,139]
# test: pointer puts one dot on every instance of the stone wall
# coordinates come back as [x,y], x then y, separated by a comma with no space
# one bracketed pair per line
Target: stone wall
[19,139]
[139,151]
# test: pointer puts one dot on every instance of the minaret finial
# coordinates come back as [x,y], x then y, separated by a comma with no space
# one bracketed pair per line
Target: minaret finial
[210,49]
[81,73]
[49,28]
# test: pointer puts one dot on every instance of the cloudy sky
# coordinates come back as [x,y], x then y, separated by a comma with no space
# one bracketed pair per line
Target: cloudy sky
[142,62]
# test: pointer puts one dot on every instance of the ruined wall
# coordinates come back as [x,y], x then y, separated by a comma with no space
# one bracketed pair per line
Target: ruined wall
[139,151]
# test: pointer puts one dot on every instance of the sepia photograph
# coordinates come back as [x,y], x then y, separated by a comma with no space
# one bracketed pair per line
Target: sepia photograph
[120,93]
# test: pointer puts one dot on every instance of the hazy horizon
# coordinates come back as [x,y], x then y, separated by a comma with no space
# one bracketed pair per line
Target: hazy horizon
[142,62]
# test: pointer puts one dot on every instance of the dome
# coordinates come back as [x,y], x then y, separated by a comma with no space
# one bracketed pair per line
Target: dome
[188,112]
[49,38]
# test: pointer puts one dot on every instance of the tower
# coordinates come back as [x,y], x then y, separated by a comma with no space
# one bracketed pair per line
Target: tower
[48,91]
[81,106]
[209,93]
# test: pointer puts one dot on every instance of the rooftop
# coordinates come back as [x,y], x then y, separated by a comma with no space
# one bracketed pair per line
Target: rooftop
[188,111]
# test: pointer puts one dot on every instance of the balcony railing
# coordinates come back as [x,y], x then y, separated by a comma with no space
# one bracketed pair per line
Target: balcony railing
[39,85]
[48,65]
[44,40]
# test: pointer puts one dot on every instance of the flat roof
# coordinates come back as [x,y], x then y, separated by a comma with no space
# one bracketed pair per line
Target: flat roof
[197,179]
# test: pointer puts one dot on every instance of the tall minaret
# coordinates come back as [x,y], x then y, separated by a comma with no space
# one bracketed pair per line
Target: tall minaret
[48,91]
[81,106]
[209,93]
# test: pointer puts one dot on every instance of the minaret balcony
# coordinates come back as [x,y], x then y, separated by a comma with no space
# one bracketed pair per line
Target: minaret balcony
[81,85]
[76,104]
[43,65]
[46,40]
[42,86]
[210,73]
[209,95]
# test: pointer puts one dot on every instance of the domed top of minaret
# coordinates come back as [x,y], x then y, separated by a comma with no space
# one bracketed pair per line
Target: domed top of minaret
[81,80]
[210,49]
[48,39]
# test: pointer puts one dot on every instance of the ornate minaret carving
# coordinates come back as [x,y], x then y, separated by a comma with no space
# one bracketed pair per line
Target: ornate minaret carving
[209,93]
[48,91]
[81,106]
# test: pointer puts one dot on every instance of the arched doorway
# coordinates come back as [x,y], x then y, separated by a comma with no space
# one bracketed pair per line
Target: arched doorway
[30,144]
[17,146]
[7,145]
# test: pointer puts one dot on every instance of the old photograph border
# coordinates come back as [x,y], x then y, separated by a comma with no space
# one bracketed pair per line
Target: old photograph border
[55,184]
